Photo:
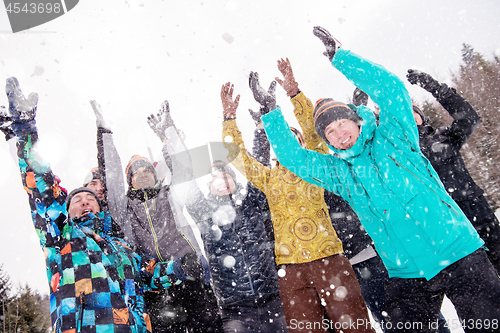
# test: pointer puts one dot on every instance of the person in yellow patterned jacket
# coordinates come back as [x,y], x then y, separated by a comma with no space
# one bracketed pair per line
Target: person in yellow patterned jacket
[315,278]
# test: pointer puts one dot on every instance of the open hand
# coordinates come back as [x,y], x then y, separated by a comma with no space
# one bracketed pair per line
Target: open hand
[267,99]
[229,105]
[331,44]
[99,118]
[21,109]
[161,121]
[288,83]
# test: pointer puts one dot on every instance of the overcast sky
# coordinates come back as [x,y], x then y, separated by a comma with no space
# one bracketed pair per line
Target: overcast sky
[130,56]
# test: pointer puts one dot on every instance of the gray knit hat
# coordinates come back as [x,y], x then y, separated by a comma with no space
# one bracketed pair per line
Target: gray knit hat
[79,190]
[220,166]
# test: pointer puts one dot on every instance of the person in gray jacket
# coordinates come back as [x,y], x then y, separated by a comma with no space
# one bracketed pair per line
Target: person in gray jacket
[156,225]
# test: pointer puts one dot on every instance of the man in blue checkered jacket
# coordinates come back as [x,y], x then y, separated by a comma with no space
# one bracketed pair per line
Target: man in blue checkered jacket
[96,281]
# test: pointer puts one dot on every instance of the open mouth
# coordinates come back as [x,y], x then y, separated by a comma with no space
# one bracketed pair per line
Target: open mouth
[224,190]
[86,212]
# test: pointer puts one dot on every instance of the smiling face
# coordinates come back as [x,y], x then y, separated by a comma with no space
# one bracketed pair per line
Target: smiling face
[143,178]
[96,186]
[222,184]
[82,204]
[342,133]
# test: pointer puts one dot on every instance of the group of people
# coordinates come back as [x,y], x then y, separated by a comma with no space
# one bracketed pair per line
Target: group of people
[364,211]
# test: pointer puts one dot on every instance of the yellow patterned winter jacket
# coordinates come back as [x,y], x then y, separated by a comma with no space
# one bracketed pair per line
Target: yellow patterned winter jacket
[302,227]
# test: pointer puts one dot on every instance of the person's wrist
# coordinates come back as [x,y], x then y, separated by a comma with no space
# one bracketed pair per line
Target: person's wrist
[292,93]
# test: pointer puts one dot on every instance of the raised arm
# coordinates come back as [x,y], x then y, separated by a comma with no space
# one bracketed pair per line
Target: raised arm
[254,171]
[159,124]
[309,165]
[302,107]
[465,118]
[384,88]
[261,149]
[109,163]
[46,199]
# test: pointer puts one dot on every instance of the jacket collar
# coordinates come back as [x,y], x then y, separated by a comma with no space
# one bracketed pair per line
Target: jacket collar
[424,130]
[100,223]
[144,194]
[367,130]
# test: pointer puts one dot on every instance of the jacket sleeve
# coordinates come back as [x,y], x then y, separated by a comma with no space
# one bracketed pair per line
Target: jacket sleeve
[254,171]
[311,166]
[303,110]
[384,88]
[46,199]
[160,275]
[261,149]
[115,184]
[465,118]
[184,189]
[101,162]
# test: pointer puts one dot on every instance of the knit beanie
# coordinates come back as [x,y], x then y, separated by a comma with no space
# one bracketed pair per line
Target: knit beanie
[298,135]
[220,166]
[79,190]
[95,173]
[135,163]
[327,111]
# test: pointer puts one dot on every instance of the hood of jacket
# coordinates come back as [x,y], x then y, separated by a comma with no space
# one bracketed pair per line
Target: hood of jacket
[367,129]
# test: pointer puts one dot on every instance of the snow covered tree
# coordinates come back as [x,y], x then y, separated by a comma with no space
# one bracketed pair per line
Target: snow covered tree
[478,81]
[32,311]
[22,310]
[5,291]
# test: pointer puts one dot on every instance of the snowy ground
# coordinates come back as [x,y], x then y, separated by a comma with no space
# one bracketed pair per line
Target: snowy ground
[450,314]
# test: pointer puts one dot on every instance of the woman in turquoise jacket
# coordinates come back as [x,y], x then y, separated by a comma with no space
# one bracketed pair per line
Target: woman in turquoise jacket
[418,230]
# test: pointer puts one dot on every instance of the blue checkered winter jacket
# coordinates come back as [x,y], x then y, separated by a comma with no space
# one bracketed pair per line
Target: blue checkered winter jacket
[96,281]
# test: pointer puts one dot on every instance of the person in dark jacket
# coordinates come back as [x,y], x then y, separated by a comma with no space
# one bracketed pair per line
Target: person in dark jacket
[96,281]
[158,228]
[442,147]
[241,255]
[235,225]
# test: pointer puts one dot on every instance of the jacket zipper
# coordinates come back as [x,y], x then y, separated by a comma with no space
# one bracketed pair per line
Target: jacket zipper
[155,237]
[243,256]
[187,240]
[80,313]
[414,175]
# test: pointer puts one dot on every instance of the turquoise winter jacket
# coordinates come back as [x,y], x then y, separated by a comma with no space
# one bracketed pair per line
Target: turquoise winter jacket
[418,230]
